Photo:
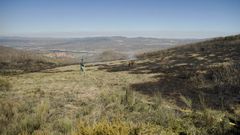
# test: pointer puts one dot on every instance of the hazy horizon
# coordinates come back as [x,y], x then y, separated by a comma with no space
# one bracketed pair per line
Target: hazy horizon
[147,34]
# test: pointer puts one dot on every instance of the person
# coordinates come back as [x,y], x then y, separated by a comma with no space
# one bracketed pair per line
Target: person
[82,66]
[131,63]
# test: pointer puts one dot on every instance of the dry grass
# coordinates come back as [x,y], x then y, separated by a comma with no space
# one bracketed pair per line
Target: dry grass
[63,101]
[13,61]
[168,92]
[68,93]
[4,85]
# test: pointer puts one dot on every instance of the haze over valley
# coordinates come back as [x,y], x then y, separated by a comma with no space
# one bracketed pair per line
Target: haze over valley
[91,47]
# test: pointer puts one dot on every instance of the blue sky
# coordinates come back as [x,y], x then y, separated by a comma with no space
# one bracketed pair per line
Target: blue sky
[152,18]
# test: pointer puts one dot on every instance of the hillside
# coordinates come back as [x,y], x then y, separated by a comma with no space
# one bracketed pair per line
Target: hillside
[191,89]
[14,61]
[210,68]
[205,73]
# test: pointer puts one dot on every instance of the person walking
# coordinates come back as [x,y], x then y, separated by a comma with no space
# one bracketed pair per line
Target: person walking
[82,66]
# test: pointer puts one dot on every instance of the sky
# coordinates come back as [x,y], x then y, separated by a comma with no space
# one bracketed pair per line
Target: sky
[132,18]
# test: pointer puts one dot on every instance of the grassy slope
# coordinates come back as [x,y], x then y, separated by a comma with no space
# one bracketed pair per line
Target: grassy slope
[70,94]
[54,101]
[17,61]
[210,68]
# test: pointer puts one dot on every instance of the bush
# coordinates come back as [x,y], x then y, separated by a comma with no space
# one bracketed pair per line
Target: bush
[8,117]
[117,127]
[103,128]
[226,74]
[211,122]
[186,101]
[63,125]
[4,85]
[15,119]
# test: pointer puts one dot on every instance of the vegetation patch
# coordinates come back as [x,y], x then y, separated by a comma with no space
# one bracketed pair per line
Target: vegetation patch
[4,85]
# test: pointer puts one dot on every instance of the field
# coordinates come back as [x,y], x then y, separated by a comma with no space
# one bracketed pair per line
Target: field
[191,89]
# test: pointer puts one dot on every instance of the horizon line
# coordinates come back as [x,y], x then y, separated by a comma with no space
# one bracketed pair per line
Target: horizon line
[127,34]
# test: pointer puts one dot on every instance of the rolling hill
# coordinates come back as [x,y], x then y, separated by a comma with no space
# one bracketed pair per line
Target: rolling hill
[210,68]
[189,89]
[14,61]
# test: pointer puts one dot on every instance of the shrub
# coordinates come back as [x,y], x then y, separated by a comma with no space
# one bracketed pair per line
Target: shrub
[8,112]
[4,85]
[63,125]
[157,99]
[186,101]
[128,99]
[29,124]
[226,74]
[35,121]
[117,127]
[103,127]
[211,122]
[42,111]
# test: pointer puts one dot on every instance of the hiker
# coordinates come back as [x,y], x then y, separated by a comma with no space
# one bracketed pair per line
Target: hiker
[82,66]
[131,63]
[131,60]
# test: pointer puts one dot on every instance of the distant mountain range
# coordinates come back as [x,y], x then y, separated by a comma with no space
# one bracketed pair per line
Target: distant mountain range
[92,43]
